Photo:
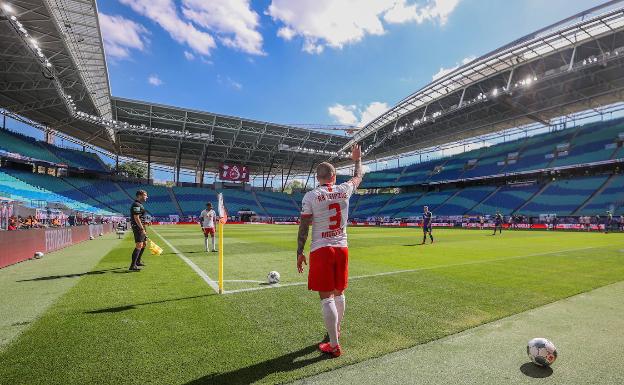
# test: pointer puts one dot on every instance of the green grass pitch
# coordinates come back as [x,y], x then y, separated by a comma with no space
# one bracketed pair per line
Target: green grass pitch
[165,325]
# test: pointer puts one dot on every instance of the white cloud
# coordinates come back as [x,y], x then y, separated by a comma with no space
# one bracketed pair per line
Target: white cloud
[154,80]
[322,23]
[372,111]
[121,35]
[189,56]
[286,33]
[228,81]
[437,10]
[164,13]
[343,114]
[443,71]
[331,23]
[233,21]
[351,115]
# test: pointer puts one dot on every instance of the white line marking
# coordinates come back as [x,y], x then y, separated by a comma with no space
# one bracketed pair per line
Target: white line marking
[415,270]
[193,266]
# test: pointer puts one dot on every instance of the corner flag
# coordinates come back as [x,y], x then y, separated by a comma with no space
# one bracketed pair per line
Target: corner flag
[222,219]
[223,214]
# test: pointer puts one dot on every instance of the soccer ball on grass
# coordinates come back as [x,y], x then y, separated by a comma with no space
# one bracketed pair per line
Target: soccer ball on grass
[541,351]
[273,277]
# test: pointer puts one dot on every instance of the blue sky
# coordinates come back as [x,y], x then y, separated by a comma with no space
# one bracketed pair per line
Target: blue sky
[289,85]
[303,61]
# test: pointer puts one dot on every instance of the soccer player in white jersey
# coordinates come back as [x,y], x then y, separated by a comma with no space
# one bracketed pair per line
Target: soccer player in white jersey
[207,220]
[326,209]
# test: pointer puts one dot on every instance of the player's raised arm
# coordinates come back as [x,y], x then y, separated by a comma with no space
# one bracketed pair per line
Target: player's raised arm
[356,156]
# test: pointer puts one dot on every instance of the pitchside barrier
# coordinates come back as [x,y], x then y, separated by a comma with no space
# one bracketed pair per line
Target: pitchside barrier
[18,246]
[519,226]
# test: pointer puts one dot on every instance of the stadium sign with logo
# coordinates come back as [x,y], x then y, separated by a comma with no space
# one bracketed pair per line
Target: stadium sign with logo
[234,172]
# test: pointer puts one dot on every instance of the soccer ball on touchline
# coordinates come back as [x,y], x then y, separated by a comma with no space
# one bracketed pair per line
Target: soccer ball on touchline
[541,351]
[273,277]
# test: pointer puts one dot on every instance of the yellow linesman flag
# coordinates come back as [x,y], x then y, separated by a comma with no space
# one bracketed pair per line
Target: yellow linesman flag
[154,248]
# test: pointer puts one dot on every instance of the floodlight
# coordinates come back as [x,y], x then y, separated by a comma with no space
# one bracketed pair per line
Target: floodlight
[7,8]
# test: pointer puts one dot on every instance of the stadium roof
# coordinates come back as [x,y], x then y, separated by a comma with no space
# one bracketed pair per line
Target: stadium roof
[573,65]
[53,72]
[199,140]
[52,61]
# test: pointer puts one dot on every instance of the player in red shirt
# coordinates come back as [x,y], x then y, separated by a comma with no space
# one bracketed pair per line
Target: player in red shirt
[326,209]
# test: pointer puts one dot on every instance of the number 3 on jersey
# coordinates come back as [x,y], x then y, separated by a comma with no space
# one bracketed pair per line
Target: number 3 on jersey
[335,220]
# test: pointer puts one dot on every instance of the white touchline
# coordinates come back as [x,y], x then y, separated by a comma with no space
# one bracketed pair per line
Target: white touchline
[414,270]
[193,266]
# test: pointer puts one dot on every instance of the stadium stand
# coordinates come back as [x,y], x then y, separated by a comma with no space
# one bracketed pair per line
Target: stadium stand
[492,159]
[433,199]
[370,204]
[563,197]
[507,199]
[609,197]
[297,198]
[26,146]
[193,200]
[104,191]
[159,200]
[277,204]
[416,174]
[465,200]
[594,142]
[239,200]
[353,203]
[539,151]
[57,186]
[35,196]
[381,179]
[77,159]
[398,202]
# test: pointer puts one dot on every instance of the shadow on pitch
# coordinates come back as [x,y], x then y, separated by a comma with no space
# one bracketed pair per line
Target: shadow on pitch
[119,309]
[76,275]
[531,370]
[259,371]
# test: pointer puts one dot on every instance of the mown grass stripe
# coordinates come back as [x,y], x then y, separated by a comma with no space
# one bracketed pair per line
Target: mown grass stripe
[193,266]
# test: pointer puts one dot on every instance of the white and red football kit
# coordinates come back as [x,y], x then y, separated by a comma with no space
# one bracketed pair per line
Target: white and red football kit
[328,205]
[207,218]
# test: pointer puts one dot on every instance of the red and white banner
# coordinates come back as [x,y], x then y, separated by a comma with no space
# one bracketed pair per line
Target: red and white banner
[234,172]
[577,226]
[20,245]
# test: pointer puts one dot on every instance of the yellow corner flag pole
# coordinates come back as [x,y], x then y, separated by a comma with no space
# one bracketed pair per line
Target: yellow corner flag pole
[220,257]
[222,219]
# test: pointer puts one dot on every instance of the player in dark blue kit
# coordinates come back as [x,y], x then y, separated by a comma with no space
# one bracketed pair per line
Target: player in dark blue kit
[498,223]
[427,224]
[608,222]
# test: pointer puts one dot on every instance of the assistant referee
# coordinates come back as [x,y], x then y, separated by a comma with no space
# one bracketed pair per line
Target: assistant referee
[137,220]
